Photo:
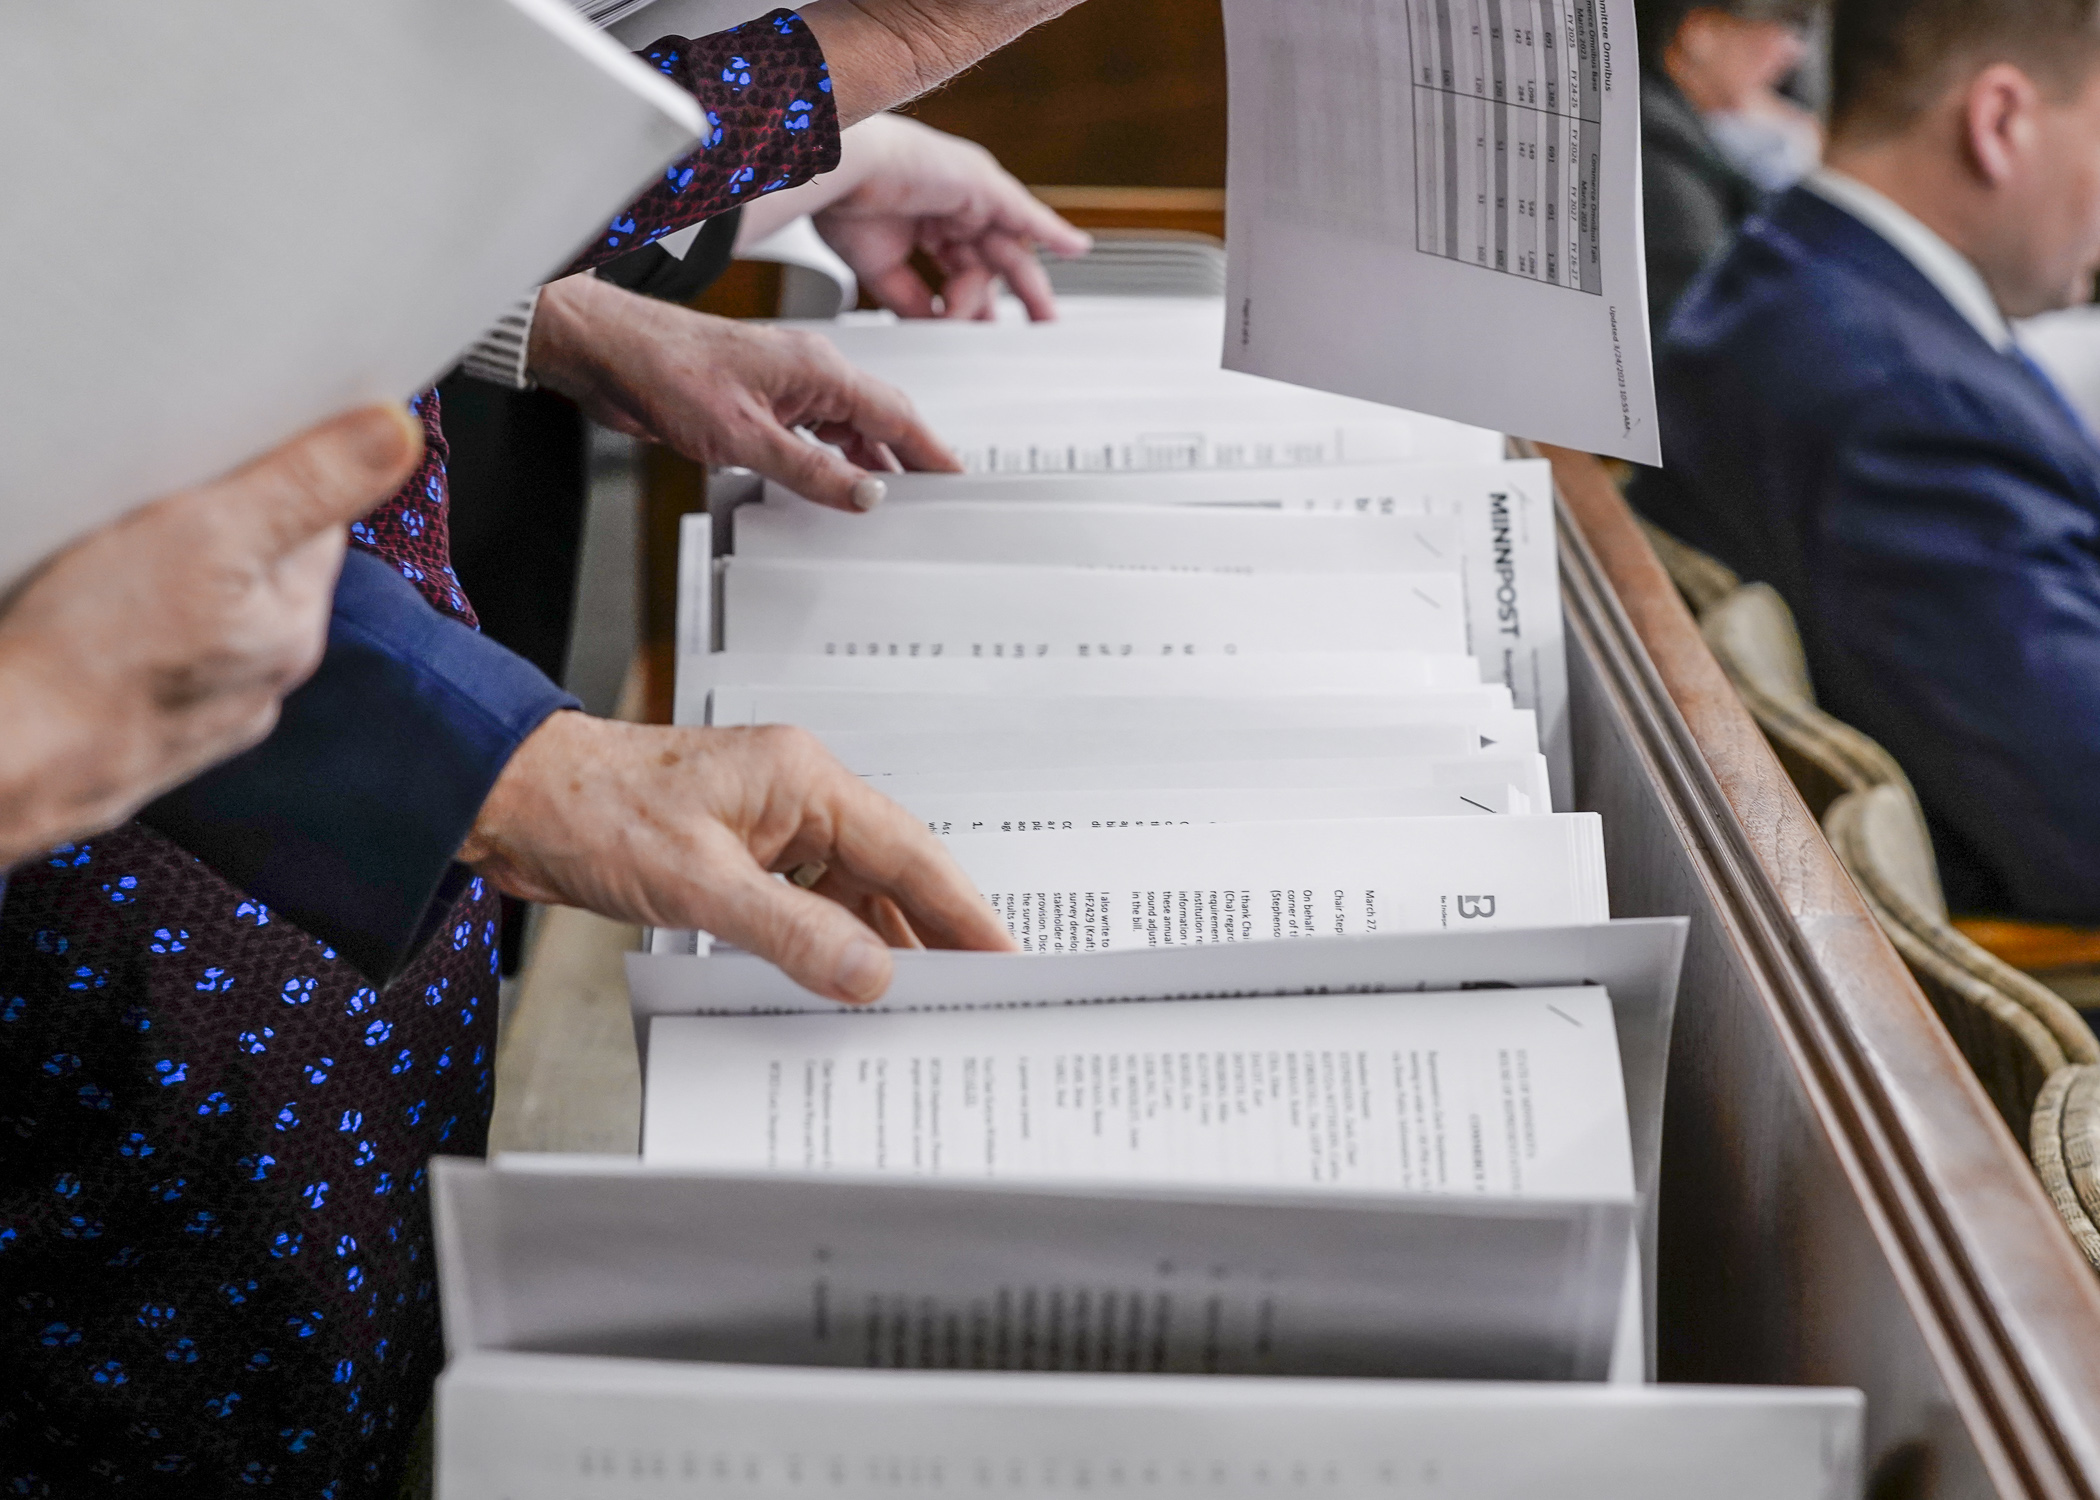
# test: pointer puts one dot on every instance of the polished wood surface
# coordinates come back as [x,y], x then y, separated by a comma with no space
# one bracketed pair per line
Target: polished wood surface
[1185,210]
[672,488]
[1130,94]
[1873,1118]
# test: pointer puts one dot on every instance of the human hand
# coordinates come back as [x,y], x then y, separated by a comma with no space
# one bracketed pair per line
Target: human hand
[680,827]
[724,392]
[164,642]
[917,188]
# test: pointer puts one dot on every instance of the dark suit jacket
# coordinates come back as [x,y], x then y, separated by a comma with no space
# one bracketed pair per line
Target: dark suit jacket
[347,817]
[1930,508]
[1694,197]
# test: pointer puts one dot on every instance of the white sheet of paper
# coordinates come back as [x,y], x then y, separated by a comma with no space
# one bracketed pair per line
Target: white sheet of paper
[1381,489]
[1024,813]
[1637,962]
[787,1269]
[1093,535]
[1181,331]
[843,709]
[1176,437]
[1505,509]
[1029,382]
[1092,890]
[880,753]
[829,608]
[432,161]
[1147,676]
[516,1426]
[1506,1093]
[1022,433]
[1437,204]
[1525,774]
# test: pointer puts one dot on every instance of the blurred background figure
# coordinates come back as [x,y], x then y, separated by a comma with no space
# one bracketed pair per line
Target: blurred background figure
[1720,131]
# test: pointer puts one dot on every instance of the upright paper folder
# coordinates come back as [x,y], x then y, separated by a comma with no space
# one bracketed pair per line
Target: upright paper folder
[549,1427]
[229,219]
[613,1329]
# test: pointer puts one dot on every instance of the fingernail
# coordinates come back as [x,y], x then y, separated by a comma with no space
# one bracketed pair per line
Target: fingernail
[864,972]
[869,493]
[383,435]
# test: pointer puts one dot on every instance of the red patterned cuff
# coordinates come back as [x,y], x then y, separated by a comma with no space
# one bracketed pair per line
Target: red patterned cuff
[766,93]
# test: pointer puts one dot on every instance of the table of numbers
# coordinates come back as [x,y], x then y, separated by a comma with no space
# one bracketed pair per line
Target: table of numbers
[1508,110]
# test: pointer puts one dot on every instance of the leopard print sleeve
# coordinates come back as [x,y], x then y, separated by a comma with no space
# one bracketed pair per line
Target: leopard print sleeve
[765,91]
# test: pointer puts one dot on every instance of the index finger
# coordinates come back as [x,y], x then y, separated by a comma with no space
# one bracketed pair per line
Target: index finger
[884,847]
[326,477]
[885,414]
[1033,219]
[1025,276]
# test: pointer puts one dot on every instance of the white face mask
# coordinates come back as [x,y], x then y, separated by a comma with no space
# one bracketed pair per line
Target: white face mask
[1773,152]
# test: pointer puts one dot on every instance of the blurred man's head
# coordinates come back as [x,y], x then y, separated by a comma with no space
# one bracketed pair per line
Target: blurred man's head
[1722,53]
[1982,117]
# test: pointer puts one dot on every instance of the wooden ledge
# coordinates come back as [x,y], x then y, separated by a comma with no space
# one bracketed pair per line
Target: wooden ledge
[1190,210]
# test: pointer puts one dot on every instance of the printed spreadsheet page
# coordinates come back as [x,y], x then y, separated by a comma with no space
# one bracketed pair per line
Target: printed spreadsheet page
[1437,204]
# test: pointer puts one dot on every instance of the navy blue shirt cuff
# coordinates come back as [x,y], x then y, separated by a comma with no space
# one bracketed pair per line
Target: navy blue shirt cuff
[347,817]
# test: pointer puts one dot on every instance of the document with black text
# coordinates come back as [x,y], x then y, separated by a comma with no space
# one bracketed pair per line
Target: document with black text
[1437,204]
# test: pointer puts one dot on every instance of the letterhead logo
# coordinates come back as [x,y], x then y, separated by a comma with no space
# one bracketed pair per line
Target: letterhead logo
[1474,907]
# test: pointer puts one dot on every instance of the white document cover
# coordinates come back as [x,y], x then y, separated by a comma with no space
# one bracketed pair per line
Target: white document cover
[876,753]
[1027,812]
[936,609]
[1437,204]
[1504,510]
[1523,775]
[319,206]
[545,1427]
[1509,1093]
[1144,677]
[597,1258]
[1090,890]
[846,709]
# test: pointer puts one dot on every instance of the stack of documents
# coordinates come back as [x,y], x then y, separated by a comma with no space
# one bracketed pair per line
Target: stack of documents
[1322,1056]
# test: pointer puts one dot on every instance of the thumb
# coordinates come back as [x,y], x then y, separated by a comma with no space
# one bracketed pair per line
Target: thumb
[324,478]
[813,940]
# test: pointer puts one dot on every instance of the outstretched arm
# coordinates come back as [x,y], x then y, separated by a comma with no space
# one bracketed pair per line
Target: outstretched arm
[902,187]
[777,91]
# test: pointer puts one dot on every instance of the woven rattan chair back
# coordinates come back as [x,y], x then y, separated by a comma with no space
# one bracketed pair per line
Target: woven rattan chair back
[2064,1142]
[1704,581]
[2014,1032]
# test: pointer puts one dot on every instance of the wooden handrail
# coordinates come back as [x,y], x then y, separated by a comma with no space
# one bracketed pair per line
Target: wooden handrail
[2015,1310]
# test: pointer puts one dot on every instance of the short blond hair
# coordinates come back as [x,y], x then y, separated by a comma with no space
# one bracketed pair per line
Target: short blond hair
[1891,60]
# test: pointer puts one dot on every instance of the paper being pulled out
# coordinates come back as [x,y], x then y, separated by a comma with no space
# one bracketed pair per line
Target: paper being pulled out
[1437,204]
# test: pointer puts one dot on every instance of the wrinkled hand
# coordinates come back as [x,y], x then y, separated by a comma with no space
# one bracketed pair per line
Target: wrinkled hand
[680,827]
[723,392]
[920,189]
[164,642]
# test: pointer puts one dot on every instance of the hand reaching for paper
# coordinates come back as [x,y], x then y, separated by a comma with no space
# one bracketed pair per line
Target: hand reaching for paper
[164,642]
[723,392]
[901,186]
[688,827]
